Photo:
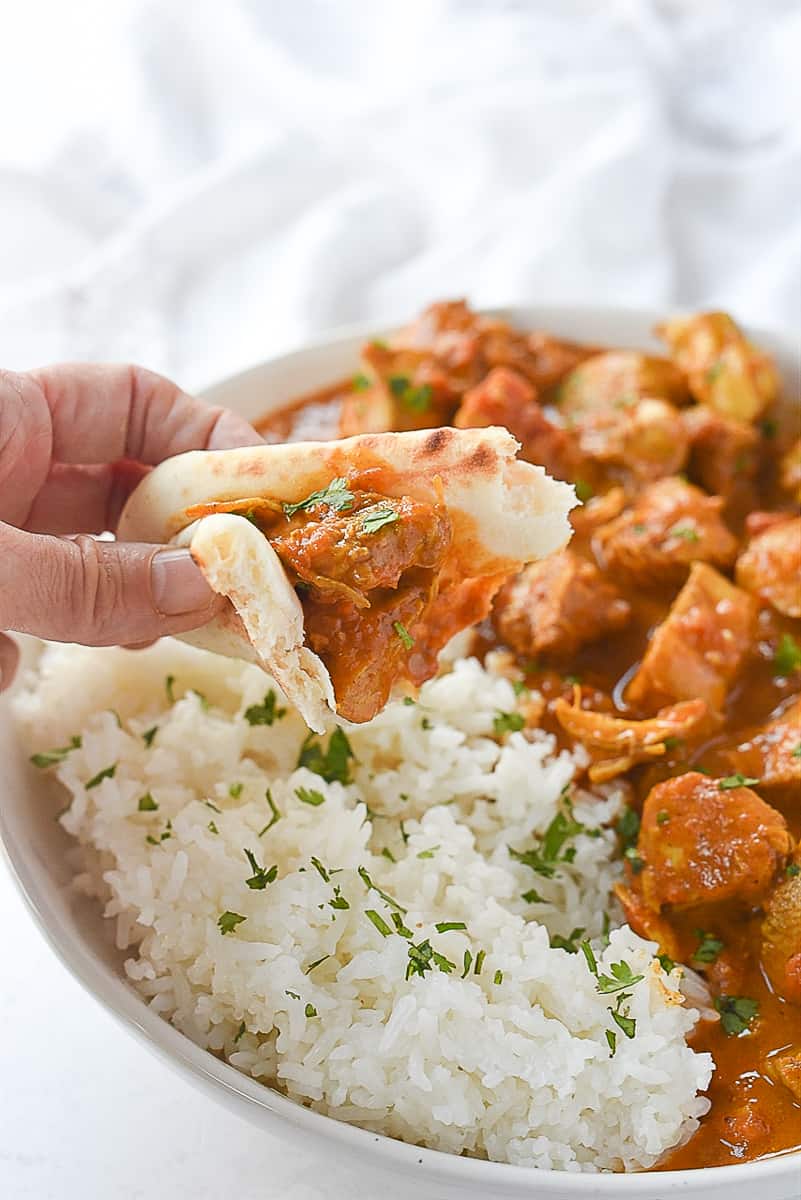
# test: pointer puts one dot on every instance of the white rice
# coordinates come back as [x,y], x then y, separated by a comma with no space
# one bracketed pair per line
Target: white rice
[513,1063]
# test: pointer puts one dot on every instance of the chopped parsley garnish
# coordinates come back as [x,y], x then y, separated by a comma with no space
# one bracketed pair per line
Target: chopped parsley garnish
[308,970]
[409,701]
[201,698]
[685,532]
[235,790]
[417,399]
[796,751]
[628,827]
[403,930]
[532,896]
[403,634]
[624,1022]
[428,853]
[508,722]
[424,957]
[147,803]
[292,995]
[791,870]
[425,723]
[666,962]
[228,921]
[387,853]
[276,815]
[266,713]
[339,901]
[714,371]
[169,688]
[736,1013]
[482,954]
[622,977]
[467,962]
[149,734]
[398,384]
[360,382]
[662,817]
[320,869]
[385,896]
[611,1040]
[210,804]
[584,491]
[569,943]
[544,858]
[50,757]
[106,773]
[310,796]
[260,877]
[736,781]
[634,859]
[589,955]
[239,1033]
[709,947]
[378,518]
[378,921]
[212,827]
[787,657]
[498,978]
[333,765]
[446,926]
[336,496]
[310,1010]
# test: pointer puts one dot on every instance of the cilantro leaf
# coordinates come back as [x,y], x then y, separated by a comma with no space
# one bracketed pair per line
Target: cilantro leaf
[149,734]
[378,921]
[49,758]
[310,796]
[403,634]
[260,877]
[622,977]
[736,1013]
[228,921]
[335,495]
[709,947]
[333,765]
[265,713]
[106,773]
[568,943]
[507,722]
[787,657]
[378,517]
[735,781]
[147,803]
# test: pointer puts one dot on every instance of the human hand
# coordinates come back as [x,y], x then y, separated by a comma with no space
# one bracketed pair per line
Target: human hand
[74,442]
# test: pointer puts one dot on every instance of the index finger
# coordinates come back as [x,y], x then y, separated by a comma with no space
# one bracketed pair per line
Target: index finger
[103,413]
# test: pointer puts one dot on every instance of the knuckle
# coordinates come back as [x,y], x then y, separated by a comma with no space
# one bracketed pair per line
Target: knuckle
[97,590]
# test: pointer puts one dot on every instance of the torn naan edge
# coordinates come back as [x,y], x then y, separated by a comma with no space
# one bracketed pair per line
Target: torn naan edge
[462,508]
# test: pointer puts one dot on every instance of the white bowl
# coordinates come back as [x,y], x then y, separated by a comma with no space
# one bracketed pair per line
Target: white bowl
[36,847]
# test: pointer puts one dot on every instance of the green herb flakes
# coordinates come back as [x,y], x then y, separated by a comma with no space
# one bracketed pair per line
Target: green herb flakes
[622,977]
[385,896]
[320,869]
[228,921]
[507,722]
[634,859]
[666,963]
[378,517]
[498,977]
[628,827]
[169,687]
[147,803]
[482,954]
[584,491]
[611,1041]
[397,921]
[791,870]
[212,827]
[467,962]
[787,657]
[709,947]
[310,1011]
[239,1033]
[403,634]
[736,1013]
[447,926]
[333,765]
[308,970]
[736,781]
[360,382]
[310,796]
[338,902]
[260,877]
[49,758]
[569,943]
[149,735]
[685,532]
[429,853]
[106,773]
[266,713]
[335,496]
[379,922]
[662,817]
[589,956]
[532,896]
[276,815]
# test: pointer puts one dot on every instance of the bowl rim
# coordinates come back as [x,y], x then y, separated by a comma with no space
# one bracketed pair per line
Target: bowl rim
[251,1098]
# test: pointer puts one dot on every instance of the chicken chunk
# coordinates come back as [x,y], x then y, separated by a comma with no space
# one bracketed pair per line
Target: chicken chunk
[671,525]
[641,442]
[781,937]
[700,646]
[506,398]
[770,566]
[703,842]
[772,753]
[785,1068]
[724,453]
[724,369]
[648,923]
[554,606]
[617,380]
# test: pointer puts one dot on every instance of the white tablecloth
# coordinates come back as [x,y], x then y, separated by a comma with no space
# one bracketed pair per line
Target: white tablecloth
[196,186]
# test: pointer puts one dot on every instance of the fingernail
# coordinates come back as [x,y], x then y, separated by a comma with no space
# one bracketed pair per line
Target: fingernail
[178,584]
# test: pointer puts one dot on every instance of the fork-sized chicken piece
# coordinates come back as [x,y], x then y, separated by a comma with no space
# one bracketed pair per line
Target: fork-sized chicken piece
[770,566]
[704,840]
[724,453]
[781,936]
[771,753]
[700,647]
[554,606]
[616,380]
[670,525]
[724,369]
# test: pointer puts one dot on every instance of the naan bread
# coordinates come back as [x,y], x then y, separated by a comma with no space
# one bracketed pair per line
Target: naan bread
[504,513]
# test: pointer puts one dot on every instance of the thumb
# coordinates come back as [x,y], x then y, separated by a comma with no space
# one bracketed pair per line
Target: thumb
[99,593]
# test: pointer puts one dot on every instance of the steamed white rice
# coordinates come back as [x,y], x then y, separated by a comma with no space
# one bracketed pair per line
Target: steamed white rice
[512,1063]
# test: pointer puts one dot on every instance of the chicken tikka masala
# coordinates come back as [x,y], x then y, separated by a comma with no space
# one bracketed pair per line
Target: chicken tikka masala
[665,640]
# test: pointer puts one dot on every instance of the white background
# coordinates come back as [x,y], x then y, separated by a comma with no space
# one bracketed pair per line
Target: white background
[199,185]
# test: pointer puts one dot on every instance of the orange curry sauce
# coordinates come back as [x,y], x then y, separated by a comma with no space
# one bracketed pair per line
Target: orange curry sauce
[751,1115]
